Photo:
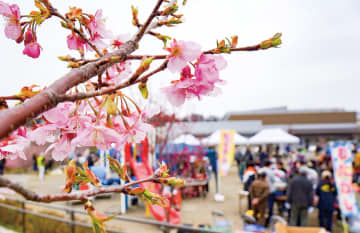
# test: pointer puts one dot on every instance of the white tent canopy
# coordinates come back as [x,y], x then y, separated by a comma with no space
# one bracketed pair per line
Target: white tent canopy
[215,138]
[273,136]
[187,139]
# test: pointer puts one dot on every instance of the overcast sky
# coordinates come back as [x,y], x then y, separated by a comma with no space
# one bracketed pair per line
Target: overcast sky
[318,65]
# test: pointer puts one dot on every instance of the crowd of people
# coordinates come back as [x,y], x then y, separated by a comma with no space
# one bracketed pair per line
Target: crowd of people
[294,183]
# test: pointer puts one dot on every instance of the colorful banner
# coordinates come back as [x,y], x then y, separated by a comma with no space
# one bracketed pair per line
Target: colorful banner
[226,151]
[342,162]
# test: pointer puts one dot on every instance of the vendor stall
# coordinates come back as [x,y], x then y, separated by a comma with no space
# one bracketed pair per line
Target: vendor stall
[273,136]
[215,138]
[190,163]
[187,139]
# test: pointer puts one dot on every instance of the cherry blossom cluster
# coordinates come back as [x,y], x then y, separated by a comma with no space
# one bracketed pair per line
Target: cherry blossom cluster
[200,82]
[97,122]
[13,146]
[96,112]
[93,26]
[22,28]
[109,120]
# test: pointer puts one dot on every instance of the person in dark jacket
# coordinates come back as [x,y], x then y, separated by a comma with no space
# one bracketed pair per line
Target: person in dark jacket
[249,177]
[34,158]
[300,197]
[326,192]
[2,166]
[238,159]
[259,192]
[248,155]
[263,156]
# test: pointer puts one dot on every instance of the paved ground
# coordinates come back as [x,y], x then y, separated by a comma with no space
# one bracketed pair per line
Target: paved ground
[4,230]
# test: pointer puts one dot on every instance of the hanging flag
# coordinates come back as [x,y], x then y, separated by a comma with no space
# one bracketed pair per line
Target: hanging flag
[342,162]
[226,151]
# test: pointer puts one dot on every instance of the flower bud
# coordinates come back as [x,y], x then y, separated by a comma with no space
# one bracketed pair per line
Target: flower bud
[73,65]
[144,90]
[64,58]
[234,41]
[173,181]
[162,171]
[111,107]
[136,191]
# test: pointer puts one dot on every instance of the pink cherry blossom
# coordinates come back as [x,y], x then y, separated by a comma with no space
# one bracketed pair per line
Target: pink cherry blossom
[177,93]
[12,13]
[98,31]
[97,25]
[203,84]
[182,52]
[119,40]
[96,40]
[14,147]
[100,136]
[181,89]
[32,50]
[29,37]
[43,134]
[62,147]
[134,131]
[117,73]
[60,115]
[74,42]
[209,66]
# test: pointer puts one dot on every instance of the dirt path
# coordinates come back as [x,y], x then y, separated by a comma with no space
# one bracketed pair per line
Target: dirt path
[194,211]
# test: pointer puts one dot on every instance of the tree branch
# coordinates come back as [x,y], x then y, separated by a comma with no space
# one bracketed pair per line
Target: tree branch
[72,28]
[55,12]
[12,118]
[11,97]
[82,196]
[144,27]
[211,51]
[112,89]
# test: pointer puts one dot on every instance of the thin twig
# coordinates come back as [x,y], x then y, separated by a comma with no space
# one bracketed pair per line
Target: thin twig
[11,97]
[144,27]
[211,51]
[72,28]
[55,12]
[83,196]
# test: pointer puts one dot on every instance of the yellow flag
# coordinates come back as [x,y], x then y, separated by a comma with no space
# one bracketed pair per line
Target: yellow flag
[226,151]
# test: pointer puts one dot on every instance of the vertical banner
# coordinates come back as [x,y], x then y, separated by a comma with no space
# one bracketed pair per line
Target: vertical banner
[226,151]
[342,162]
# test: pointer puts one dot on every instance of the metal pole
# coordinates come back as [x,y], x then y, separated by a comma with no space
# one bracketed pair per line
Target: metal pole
[23,216]
[72,215]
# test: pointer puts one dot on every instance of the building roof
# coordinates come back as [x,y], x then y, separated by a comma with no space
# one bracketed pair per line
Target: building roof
[208,127]
[252,127]
[282,110]
[276,118]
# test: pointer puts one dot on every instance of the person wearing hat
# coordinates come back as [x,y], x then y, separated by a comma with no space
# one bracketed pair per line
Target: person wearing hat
[259,192]
[326,192]
[300,197]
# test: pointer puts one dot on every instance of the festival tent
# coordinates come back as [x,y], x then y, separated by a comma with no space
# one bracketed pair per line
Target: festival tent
[273,136]
[215,138]
[187,139]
